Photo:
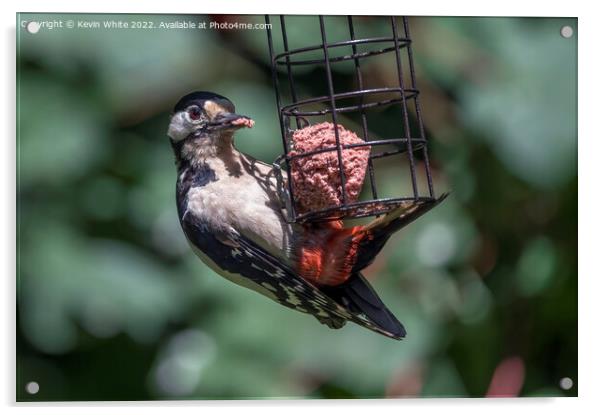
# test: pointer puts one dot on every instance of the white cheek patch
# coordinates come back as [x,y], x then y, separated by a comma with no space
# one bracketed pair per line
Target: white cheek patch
[179,127]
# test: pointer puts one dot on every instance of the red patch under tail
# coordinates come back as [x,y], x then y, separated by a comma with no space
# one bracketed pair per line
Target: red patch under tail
[326,253]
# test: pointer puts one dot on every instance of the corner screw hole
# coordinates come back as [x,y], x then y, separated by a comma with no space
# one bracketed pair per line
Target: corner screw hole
[566,32]
[566,383]
[32,388]
[33,27]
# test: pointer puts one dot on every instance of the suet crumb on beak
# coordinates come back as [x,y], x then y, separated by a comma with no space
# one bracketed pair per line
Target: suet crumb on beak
[244,122]
[230,121]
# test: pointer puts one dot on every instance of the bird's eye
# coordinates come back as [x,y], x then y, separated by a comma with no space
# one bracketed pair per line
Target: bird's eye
[194,113]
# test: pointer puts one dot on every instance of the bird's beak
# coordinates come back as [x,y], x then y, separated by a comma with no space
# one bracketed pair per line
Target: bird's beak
[230,121]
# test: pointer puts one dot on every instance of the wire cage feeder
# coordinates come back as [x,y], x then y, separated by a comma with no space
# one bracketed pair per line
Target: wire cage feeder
[300,111]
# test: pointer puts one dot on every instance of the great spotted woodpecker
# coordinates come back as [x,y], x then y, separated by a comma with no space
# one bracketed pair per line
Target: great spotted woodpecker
[232,216]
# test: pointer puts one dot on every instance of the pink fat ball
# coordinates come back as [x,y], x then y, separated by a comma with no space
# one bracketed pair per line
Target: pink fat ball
[316,179]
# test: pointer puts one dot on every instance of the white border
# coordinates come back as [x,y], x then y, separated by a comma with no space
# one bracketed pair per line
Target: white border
[590,151]
[379,7]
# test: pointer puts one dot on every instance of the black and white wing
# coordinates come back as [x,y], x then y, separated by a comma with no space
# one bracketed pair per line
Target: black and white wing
[237,255]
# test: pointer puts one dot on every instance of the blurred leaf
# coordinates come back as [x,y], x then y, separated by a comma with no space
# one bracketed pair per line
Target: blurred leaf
[105,286]
[60,133]
[443,380]
[536,266]
[527,109]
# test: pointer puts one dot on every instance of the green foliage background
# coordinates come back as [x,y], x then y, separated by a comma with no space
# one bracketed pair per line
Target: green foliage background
[113,305]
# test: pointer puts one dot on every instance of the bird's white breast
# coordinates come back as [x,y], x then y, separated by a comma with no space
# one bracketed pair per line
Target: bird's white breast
[241,201]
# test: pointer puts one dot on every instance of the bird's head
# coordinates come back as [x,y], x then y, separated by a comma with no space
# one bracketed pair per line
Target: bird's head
[203,124]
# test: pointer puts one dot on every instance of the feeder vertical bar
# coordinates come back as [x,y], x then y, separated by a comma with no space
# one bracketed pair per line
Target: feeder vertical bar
[360,85]
[288,65]
[292,213]
[334,111]
[429,178]
[406,120]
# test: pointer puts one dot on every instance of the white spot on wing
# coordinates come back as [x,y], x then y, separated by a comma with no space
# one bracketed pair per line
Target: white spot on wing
[269,286]
[322,313]
[278,273]
[291,298]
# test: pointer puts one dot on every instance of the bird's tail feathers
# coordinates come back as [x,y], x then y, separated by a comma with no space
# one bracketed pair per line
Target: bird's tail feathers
[377,233]
[328,253]
[359,298]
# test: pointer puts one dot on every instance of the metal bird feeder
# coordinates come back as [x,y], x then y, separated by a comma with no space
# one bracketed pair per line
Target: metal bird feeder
[296,111]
